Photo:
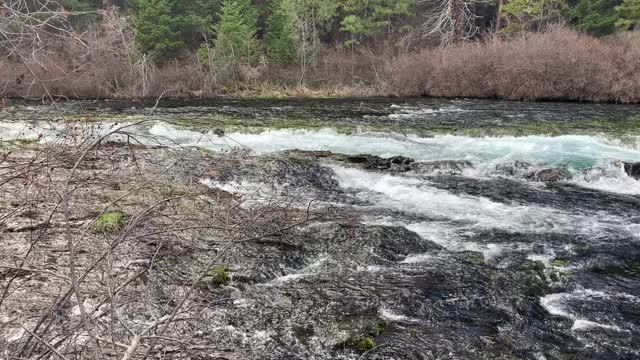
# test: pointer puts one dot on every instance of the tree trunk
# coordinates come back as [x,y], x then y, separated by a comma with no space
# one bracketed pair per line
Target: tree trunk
[499,15]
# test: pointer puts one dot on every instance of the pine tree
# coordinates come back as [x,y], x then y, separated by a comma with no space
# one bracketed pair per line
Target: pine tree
[165,27]
[367,18]
[596,17]
[236,31]
[280,37]
[532,15]
[629,15]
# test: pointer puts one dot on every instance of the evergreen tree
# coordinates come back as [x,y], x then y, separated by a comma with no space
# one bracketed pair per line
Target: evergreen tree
[165,27]
[312,21]
[532,15]
[367,18]
[236,31]
[596,17]
[629,15]
[280,38]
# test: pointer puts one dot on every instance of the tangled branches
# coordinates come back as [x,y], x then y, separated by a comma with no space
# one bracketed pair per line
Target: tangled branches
[449,21]
[112,247]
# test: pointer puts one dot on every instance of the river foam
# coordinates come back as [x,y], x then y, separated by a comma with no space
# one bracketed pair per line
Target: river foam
[593,162]
[413,195]
[570,150]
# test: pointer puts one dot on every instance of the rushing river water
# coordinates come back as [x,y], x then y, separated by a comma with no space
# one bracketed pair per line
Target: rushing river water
[477,253]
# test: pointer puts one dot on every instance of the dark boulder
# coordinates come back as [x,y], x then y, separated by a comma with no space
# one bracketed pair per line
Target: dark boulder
[443,167]
[513,168]
[548,175]
[366,161]
[632,169]
[372,162]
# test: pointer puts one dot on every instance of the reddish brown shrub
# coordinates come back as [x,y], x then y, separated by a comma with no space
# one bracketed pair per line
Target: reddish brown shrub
[558,64]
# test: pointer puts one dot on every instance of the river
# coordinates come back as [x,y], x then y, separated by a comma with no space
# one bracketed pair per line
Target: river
[512,233]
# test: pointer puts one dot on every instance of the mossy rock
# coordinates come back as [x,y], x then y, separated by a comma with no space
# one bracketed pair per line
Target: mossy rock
[556,275]
[366,344]
[537,266]
[110,222]
[359,344]
[559,262]
[219,276]
[474,257]
[380,328]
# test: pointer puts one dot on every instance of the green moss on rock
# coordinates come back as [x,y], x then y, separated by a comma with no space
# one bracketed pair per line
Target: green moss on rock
[474,257]
[109,223]
[366,344]
[559,262]
[219,276]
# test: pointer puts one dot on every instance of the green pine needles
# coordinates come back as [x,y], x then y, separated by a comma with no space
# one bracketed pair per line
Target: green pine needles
[280,37]
[236,31]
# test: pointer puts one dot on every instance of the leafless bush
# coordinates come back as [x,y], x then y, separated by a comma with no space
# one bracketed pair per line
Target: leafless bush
[104,62]
[558,64]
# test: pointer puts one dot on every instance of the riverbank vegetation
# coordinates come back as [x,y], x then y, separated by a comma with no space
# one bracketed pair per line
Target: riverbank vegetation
[583,50]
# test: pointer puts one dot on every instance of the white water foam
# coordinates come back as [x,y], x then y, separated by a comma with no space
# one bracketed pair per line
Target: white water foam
[580,151]
[454,216]
[575,152]
[310,270]
[413,196]
[571,151]
[609,177]
[390,315]
[557,304]
[410,112]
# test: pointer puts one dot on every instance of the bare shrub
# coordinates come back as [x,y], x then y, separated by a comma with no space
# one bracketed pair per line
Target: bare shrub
[104,62]
[558,64]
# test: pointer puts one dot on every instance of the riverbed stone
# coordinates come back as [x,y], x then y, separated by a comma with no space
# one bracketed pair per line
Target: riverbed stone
[442,167]
[632,169]
[548,175]
[373,162]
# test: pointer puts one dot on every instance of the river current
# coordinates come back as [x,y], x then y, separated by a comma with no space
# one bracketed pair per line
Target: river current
[514,233]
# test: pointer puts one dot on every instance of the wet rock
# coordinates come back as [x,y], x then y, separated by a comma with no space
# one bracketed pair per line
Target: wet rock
[305,173]
[512,168]
[395,242]
[366,161]
[632,169]
[295,171]
[372,162]
[548,175]
[443,167]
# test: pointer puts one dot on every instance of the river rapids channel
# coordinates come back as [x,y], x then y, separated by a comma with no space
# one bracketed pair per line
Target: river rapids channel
[484,229]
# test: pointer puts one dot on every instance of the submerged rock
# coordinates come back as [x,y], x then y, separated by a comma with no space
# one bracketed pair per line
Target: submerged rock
[548,175]
[366,161]
[632,169]
[512,168]
[372,162]
[443,167]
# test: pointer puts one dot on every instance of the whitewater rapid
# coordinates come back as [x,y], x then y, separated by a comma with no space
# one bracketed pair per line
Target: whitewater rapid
[579,235]
[594,162]
[570,150]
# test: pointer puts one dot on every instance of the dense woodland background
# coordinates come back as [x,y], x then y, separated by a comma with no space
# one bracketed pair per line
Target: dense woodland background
[516,49]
